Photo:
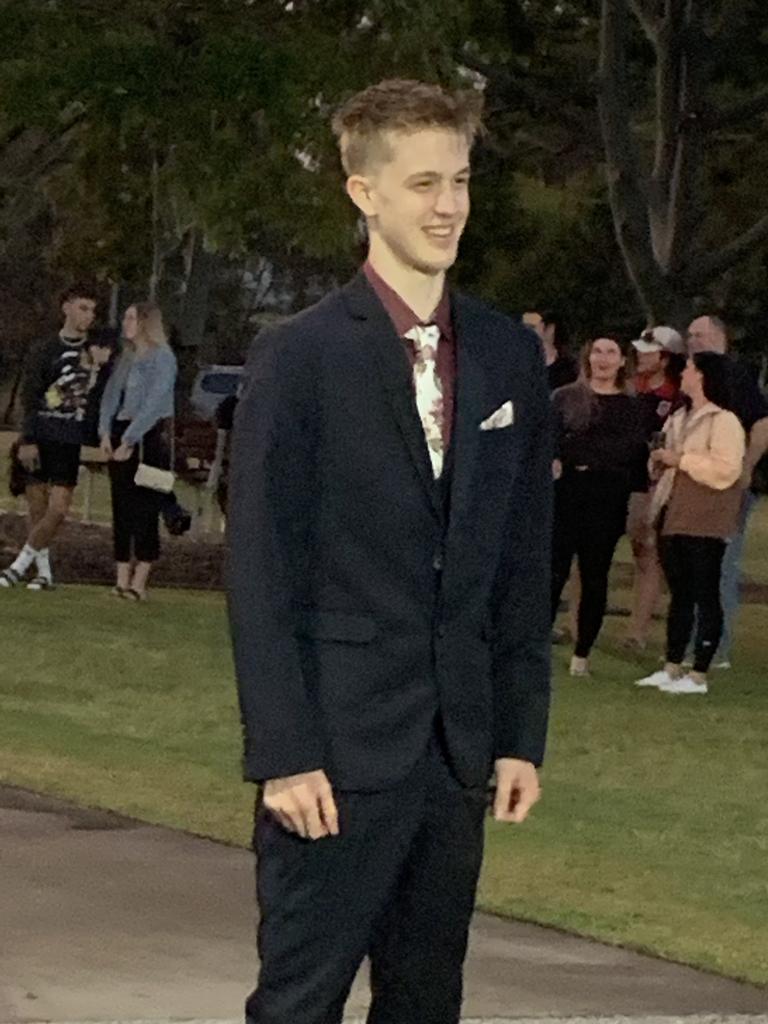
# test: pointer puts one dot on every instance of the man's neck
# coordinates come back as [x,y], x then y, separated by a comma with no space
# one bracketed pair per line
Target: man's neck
[551,354]
[654,380]
[71,334]
[421,292]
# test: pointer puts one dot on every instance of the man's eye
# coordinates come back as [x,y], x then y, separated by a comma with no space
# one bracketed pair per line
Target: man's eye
[423,185]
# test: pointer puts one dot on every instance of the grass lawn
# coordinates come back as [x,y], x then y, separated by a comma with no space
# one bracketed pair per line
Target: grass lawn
[652,832]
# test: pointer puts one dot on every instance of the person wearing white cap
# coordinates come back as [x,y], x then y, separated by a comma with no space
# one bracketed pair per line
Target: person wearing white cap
[659,362]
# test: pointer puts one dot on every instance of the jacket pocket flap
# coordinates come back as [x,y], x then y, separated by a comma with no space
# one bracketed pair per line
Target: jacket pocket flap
[347,627]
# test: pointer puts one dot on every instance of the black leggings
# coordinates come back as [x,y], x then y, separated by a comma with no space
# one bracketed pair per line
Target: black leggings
[590,517]
[692,567]
[136,510]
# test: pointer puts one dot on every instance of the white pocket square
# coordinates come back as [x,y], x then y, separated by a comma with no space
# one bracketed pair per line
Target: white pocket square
[503,417]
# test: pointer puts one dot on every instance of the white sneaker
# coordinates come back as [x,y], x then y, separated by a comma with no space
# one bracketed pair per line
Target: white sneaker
[579,668]
[684,685]
[723,665]
[659,679]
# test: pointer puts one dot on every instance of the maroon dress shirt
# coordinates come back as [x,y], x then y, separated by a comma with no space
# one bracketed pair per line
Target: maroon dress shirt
[404,319]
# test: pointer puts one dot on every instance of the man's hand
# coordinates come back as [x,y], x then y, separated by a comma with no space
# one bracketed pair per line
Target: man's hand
[517,789]
[100,355]
[303,804]
[29,457]
[106,446]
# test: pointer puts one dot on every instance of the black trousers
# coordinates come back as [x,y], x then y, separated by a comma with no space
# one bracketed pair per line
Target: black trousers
[397,885]
[136,510]
[590,517]
[692,566]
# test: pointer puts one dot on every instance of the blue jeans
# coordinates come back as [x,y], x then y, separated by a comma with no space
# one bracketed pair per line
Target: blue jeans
[730,579]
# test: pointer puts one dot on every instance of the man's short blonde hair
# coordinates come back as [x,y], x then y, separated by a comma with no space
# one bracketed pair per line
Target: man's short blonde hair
[401,105]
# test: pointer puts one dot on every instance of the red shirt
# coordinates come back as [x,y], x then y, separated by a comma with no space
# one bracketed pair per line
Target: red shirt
[404,319]
[666,390]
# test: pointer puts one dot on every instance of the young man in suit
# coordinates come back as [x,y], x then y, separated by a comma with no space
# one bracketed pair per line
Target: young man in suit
[389,573]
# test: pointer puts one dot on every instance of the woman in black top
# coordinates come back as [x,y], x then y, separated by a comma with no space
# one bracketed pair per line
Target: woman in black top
[600,458]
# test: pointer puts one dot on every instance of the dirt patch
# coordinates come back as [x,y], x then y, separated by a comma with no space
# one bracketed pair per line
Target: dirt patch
[82,553]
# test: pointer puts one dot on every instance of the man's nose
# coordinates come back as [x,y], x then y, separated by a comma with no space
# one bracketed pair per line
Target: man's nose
[446,201]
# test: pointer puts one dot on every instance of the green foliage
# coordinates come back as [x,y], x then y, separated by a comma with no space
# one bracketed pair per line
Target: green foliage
[211,119]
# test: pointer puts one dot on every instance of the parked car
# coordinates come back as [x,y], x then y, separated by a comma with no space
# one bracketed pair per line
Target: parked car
[211,386]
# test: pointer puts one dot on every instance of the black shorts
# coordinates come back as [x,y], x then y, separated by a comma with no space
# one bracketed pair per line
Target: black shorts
[59,464]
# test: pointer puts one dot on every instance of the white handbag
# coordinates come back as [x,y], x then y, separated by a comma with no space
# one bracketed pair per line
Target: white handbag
[153,478]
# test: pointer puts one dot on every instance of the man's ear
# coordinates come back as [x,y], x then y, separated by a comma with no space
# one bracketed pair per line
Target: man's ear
[359,190]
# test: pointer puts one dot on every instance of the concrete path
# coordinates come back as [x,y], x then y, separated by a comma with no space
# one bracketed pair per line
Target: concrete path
[107,919]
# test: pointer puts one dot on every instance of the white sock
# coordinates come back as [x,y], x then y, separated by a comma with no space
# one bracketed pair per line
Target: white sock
[25,558]
[43,562]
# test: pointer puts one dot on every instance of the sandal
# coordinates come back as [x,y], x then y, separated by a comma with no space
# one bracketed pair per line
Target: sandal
[118,591]
[134,595]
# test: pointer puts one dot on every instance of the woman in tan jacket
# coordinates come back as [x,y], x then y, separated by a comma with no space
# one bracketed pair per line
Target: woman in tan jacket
[696,507]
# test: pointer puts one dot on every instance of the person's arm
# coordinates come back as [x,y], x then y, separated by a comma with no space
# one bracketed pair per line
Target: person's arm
[33,388]
[271,508]
[110,399]
[214,473]
[520,614]
[721,466]
[557,427]
[156,400]
[756,448]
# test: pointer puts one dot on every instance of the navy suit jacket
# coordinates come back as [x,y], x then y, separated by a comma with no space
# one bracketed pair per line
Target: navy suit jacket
[363,605]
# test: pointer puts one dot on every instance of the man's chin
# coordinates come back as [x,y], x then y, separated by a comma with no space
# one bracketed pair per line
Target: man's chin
[435,265]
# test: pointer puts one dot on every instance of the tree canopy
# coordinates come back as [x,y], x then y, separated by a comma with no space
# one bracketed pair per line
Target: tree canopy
[159,144]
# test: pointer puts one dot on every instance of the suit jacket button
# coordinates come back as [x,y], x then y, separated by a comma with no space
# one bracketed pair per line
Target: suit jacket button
[437,562]
[441,631]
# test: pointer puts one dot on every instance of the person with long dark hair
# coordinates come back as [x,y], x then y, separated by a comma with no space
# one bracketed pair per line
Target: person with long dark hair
[599,455]
[697,503]
[134,425]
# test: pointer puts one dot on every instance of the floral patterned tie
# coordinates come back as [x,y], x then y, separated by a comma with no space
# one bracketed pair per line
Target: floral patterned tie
[429,391]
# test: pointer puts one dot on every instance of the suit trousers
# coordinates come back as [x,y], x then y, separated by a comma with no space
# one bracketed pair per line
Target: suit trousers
[397,885]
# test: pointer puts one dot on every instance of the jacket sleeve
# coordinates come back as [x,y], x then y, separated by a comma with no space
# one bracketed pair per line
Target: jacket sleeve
[154,406]
[521,624]
[33,388]
[271,504]
[721,466]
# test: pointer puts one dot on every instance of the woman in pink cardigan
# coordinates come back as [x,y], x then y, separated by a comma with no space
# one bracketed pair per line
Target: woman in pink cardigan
[696,507]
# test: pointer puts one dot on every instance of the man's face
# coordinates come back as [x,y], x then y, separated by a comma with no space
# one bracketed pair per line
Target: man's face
[649,363]
[704,336]
[79,315]
[417,199]
[534,320]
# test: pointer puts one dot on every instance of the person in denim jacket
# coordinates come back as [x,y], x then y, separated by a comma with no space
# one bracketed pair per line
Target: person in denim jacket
[134,422]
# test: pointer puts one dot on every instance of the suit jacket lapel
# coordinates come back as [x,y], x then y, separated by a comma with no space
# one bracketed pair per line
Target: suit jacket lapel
[396,377]
[471,405]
